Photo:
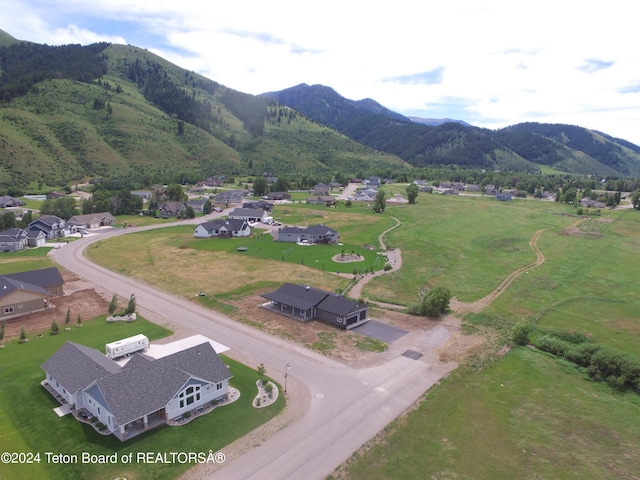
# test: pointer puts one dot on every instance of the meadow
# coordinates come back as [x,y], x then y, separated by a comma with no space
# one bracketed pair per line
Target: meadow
[29,424]
[526,414]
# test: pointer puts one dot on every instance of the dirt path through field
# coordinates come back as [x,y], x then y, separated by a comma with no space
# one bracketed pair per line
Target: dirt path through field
[394,257]
[479,305]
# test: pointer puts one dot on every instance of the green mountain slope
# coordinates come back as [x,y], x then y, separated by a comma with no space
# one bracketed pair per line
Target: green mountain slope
[525,146]
[146,120]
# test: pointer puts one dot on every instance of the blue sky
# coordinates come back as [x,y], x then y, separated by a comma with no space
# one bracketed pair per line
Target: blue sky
[491,63]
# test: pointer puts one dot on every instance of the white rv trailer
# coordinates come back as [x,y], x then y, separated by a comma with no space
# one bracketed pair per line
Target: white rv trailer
[126,346]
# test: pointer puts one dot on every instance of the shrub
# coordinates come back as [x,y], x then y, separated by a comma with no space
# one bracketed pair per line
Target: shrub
[553,345]
[520,334]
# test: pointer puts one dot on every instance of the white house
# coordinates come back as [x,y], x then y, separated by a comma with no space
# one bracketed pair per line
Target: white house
[223,229]
[144,393]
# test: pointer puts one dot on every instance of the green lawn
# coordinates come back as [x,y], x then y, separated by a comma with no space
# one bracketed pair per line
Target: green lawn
[527,416]
[31,259]
[28,423]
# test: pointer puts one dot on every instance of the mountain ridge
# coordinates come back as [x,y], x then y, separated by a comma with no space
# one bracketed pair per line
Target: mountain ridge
[438,142]
[71,113]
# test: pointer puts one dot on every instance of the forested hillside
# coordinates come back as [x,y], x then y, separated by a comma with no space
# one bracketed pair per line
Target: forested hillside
[72,113]
[524,147]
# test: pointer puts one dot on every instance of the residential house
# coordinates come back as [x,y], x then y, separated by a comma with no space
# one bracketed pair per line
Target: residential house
[52,226]
[322,189]
[197,204]
[248,214]
[222,229]
[326,200]
[13,240]
[55,195]
[144,393]
[229,196]
[277,196]
[504,197]
[173,209]
[92,220]
[7,201]
[306,303]
[36,238]
[586,202]
[373,182]
[366,195]
[260,204]
[144,194]
[311,234]
[26,292]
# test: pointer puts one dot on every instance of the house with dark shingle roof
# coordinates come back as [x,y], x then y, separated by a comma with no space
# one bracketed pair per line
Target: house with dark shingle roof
[249,214]
[144,393]
[26,292]
[52,226]
[312,234]
[306,303]
[222,228]
[173,209]
[13,240]
[7,201]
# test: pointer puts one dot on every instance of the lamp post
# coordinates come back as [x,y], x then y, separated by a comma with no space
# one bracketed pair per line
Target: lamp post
[286,374]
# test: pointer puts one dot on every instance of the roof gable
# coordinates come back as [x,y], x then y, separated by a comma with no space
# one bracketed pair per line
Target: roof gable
[76,366]
[44,277]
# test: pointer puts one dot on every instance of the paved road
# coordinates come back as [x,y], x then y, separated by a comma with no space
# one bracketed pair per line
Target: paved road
[344,407]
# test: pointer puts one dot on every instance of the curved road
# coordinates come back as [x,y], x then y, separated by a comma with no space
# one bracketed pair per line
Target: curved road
[343,407]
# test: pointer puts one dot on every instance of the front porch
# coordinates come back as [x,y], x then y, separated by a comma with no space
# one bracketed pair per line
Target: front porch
[289,311]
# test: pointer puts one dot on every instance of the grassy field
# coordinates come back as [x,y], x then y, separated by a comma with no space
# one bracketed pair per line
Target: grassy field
[31,259]
[28,423]
[527,416]
[176,261]
[468,244]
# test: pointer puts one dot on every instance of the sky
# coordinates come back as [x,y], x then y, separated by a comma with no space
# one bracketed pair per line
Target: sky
[491,63]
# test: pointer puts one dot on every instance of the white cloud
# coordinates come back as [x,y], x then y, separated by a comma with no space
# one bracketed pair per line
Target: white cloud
[498,62]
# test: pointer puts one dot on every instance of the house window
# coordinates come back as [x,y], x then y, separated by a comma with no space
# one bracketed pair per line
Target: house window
[190,396]
[219,386]
[8,309]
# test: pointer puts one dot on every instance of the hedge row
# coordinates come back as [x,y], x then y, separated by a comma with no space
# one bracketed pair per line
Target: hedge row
[619,369]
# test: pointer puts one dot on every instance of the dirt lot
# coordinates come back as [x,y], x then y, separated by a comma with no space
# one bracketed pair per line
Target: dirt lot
[341,345]
[80,298]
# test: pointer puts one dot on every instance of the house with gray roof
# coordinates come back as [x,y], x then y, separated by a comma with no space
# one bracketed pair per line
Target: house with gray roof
[143,393]
[229,196]
[249,214]
[27,292]
[173,209]
[13,240]
[222,229]
[92,220]
[52,226]
[7,201]
[305,303]
[312,234]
